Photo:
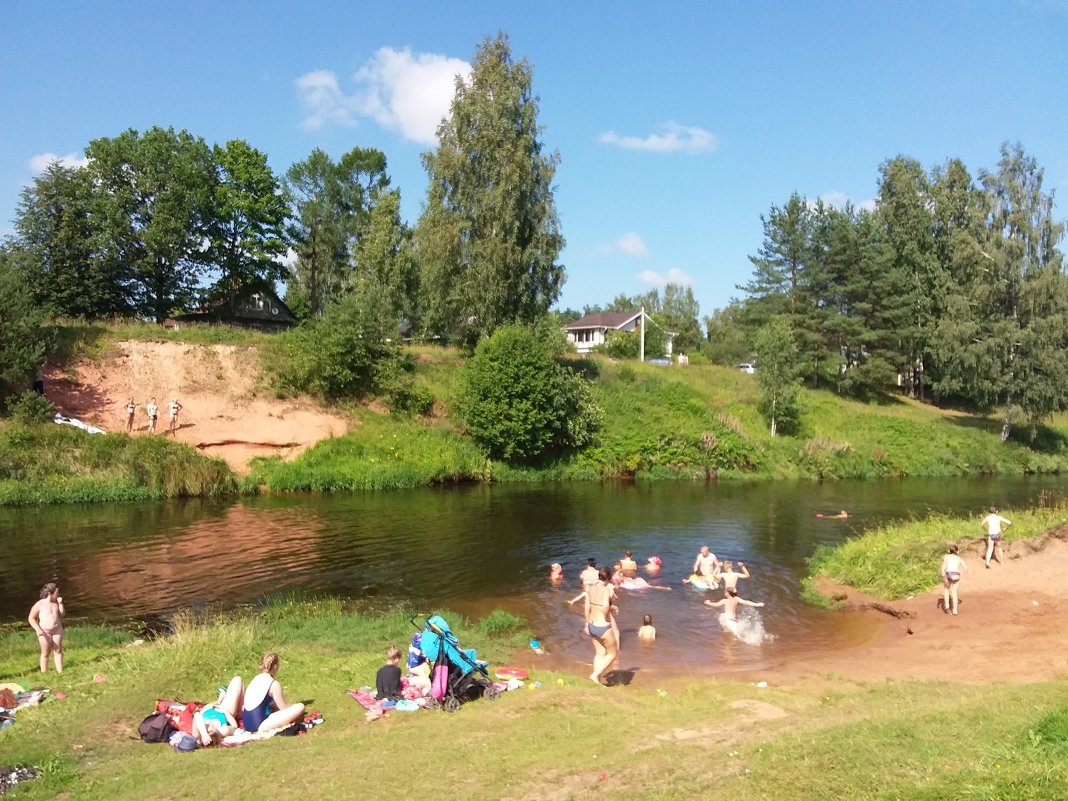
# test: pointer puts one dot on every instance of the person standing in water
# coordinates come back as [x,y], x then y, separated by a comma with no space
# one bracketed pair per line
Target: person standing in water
[706,564]
[647,633]
[994,525]
[152,410]
[46,618]
[630,567]
[730,577]
[600,626]
[729,618]
[588,576]
[952,569]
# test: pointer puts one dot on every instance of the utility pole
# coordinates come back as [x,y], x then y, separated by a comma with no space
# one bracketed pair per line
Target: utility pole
[641,346]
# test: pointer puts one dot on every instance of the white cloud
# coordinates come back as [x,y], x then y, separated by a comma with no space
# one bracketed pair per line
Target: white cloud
[672,276]
[839,200]
[409,93]
[40,162]
[630,244]
[323,101]
[287,259]
[401,91]
[670,137]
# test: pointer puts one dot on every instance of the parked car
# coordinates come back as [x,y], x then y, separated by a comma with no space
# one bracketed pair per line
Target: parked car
[747,368]
[662,361]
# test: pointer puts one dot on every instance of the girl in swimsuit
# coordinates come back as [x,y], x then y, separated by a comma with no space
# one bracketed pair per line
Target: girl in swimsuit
[952,568]
[265,707]
[215,721]
[599,625]
[46,618]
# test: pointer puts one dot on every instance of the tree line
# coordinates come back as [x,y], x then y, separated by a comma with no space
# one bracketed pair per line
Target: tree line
[950,289]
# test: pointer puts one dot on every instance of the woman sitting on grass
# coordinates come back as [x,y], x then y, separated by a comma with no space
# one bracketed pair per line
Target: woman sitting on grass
[265,707]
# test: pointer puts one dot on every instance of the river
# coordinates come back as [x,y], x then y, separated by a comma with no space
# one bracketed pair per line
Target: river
[473,548]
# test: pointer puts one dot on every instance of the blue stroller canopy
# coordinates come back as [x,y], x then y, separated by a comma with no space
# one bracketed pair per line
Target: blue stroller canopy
[437,635]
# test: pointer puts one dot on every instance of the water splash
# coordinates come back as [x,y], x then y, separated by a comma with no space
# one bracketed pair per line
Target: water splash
[749,627]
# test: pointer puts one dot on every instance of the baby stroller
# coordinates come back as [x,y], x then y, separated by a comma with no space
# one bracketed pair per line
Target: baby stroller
[457,676]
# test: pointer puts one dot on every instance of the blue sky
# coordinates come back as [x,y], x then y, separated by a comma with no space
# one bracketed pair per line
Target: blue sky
[677,125]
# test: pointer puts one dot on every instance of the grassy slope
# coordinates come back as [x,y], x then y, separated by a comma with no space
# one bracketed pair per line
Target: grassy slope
[705,739]
[660,422]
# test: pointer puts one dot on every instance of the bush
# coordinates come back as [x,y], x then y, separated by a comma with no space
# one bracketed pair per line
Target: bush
[29,408]
[519,404]
[346,353]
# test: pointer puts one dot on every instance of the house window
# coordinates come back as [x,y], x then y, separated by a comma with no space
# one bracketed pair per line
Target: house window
[256,302]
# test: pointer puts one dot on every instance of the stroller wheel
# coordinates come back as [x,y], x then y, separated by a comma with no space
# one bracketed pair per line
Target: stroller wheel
[491,693]
[433,703]
[451,704]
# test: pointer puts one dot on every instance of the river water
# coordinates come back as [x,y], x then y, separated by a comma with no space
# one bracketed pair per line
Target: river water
[473,548]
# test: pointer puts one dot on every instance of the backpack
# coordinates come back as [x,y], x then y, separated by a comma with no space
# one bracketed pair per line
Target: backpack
[156,728]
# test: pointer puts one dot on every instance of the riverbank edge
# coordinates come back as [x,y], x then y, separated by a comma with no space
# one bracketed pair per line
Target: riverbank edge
[901,560]
[747,735]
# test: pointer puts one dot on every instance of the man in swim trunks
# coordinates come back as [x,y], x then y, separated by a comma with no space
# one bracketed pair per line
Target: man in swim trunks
[994,524]
[706,564]
[952,569]
[153,414]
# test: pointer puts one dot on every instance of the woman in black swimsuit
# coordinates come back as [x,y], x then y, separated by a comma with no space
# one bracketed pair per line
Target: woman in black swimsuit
[599,624]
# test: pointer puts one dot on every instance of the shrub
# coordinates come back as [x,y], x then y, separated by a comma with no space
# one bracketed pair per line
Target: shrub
[346,353]
[29,408]
[519,404]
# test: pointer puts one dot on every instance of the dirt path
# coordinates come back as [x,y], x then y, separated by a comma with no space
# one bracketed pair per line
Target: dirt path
[225,412]
[1012,626]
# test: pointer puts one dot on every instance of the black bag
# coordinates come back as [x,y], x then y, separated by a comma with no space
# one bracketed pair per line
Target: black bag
[156,728]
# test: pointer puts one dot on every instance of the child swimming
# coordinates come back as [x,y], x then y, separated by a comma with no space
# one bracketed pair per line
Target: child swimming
[647,633]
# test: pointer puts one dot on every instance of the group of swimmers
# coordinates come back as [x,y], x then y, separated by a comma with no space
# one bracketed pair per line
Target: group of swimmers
[152,410]
[953,566]
[599,597]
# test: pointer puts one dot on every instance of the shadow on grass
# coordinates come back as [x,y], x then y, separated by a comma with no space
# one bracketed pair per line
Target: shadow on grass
[1039,438]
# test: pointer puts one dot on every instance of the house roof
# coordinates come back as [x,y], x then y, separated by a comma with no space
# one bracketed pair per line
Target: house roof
[604,320]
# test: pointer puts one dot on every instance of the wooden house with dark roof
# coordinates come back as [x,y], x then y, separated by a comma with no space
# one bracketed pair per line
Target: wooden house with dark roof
[253,306]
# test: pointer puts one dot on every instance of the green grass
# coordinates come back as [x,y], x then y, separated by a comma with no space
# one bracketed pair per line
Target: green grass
[47,463]
[701,738]
[902,559]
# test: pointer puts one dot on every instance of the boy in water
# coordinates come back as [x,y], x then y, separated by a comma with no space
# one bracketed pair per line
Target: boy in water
[153,414]
[730,577]
[628,564]
[130,407]
[952,569]
[729,618]
[46,618]
[647,633]
[992,524]
[588,576]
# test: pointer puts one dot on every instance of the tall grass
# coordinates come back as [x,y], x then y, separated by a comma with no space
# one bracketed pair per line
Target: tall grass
[903,559]
[58,464]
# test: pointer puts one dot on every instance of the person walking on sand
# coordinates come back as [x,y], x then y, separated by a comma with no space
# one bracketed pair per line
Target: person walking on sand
[174,407]
[46,618]
[994,525]
[952,569]
[131,408]
[152,410]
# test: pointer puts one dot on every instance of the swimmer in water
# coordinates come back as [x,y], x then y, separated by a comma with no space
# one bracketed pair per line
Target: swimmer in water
[653,564]
[730,604]
[706,564]
[952,569]
[627,562]
[647,633]
[842,515]
[618,577]
[588,576]
[729,576]
[556,573]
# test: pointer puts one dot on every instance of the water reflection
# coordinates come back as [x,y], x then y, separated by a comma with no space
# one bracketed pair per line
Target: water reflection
[473,548]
